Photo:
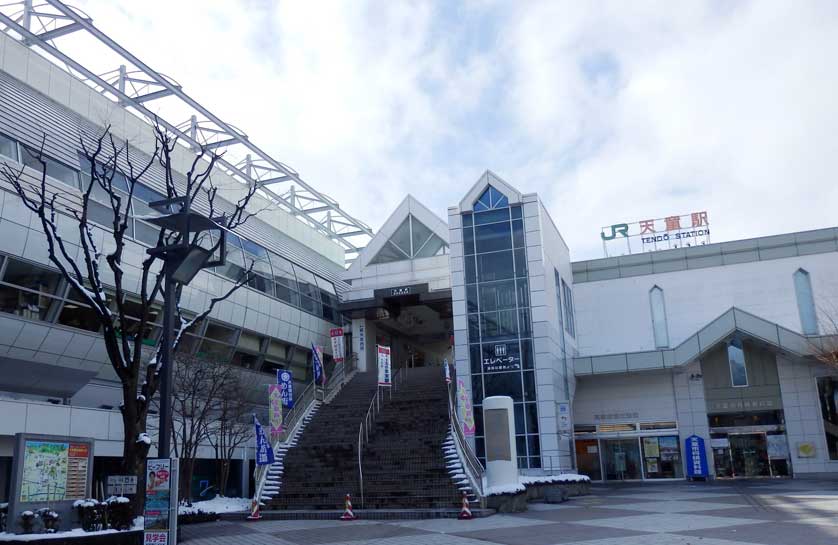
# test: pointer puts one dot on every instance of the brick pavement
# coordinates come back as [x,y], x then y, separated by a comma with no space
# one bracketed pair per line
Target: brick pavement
[724,513]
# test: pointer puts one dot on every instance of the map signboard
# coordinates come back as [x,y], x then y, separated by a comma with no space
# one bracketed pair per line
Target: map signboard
[50,470]
[54,471]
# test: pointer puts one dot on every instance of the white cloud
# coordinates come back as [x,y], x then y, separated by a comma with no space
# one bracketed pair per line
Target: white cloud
[612,111]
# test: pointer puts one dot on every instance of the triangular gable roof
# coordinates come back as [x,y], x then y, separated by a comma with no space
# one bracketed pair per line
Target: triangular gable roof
[409,206]
[489,178]
[732,321]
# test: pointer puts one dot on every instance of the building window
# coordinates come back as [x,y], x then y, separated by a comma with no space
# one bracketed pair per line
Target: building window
[55,170]
[828,396]
[659,317]
[8,148]
[805,302]
[569,323]
[413,239]
[736,360]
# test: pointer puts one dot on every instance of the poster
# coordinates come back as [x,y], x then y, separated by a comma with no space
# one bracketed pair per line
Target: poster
[384,376]
[464,408]
[286,387]
[650,447]
[668,447]
[777,447]
[275,408]
[652,465]
[159,496]
[806,450]
[54,471]
[338,350]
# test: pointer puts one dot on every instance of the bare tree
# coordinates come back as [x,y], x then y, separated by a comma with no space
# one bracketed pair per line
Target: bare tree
[82,252]
[198,397]
[232,426]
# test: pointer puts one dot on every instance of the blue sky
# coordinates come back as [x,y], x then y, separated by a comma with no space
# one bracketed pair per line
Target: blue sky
[611,111]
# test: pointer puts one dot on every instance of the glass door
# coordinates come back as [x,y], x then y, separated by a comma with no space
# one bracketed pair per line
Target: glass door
[587,458]
[622,459]
[749,454]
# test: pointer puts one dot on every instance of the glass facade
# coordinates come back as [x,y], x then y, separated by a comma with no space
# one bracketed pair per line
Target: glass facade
[736,360]
[499,319]
[828,397]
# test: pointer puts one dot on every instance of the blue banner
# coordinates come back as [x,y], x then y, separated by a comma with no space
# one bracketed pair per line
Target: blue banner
[264,452]
[696,456]
[319,374]
[286,385]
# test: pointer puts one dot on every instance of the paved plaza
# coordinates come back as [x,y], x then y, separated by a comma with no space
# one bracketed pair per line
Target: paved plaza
[728,513]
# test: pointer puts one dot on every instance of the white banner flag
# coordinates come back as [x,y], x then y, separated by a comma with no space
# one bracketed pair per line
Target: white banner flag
[384,378]
[337,344]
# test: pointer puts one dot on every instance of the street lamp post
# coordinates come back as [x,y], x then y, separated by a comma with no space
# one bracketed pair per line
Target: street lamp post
[182,260]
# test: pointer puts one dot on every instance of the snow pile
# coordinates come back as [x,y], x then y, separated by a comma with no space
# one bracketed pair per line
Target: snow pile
[504,489]
[218,504]
[75,532]
[549,479]
[117,499]
[144,438]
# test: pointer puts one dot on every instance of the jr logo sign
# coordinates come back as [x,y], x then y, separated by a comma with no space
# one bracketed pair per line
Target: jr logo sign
[616,229]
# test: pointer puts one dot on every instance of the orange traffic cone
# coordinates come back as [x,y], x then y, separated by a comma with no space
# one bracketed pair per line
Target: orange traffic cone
[465,512]
[255,513]
[347,510]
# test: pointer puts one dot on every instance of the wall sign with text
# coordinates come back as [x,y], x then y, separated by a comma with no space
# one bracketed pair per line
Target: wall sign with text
[656,234]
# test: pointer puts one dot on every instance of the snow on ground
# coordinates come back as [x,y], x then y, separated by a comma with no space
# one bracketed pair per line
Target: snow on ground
[218,504]
[75,532]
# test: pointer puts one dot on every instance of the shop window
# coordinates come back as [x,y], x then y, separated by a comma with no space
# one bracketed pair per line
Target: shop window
[621,459]
[805,302]
[736,361]
[662,457]
[659,317]
[828,396]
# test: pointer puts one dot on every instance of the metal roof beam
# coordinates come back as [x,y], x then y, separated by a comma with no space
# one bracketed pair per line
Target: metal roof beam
[153,95]
[60,31]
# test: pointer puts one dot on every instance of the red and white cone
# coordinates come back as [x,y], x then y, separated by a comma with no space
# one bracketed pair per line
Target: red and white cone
[465,512]
[255,513]
[347,510]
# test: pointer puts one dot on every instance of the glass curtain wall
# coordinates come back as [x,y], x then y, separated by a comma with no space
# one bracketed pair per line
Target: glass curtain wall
[499,319]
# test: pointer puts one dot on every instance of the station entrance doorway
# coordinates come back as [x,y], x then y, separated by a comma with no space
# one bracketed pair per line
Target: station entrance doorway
[414,322]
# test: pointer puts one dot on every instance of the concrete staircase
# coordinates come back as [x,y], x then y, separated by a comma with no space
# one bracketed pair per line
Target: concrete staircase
[406,463]
[323,467]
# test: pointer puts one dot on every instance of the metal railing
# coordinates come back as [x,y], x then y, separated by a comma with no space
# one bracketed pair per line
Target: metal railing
[294,418]
[369,421]
[472,467]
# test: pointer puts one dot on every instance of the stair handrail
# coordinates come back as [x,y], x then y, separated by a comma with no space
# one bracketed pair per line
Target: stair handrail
[473,469]
[369,419]
[301,407]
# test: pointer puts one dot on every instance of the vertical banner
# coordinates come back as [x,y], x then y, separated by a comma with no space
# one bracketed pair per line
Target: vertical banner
[695,456]
[464,410]
[338,350]
[384,376]
[447,371]
[275,408]
[286,386]
[565,426]
[264,452]
[317,360]
[160,499]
